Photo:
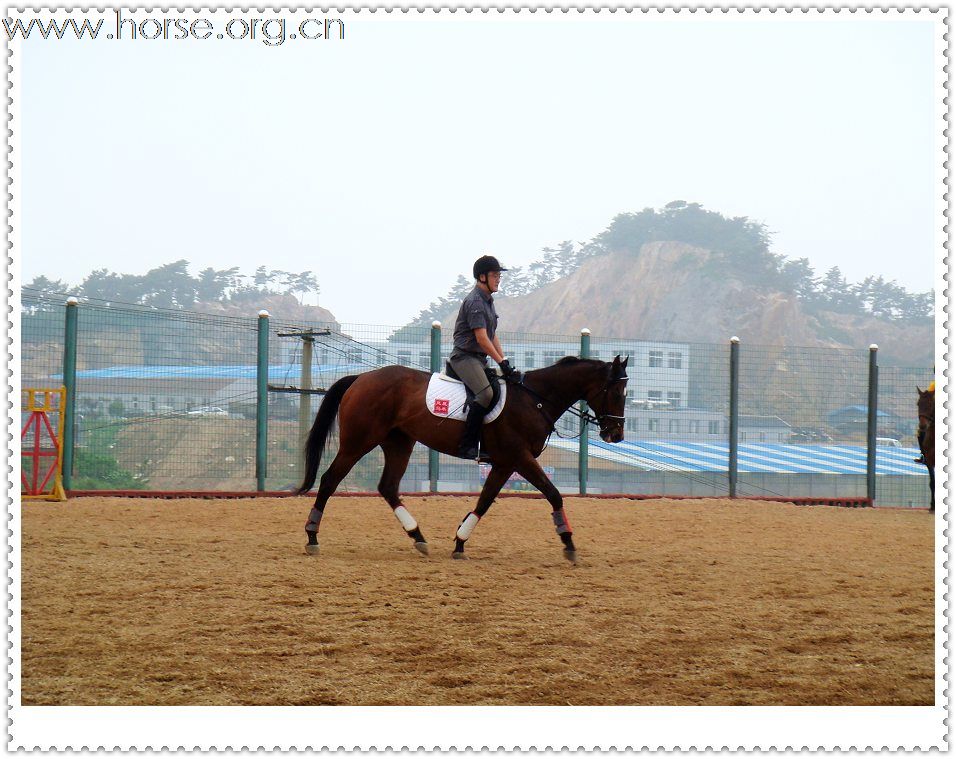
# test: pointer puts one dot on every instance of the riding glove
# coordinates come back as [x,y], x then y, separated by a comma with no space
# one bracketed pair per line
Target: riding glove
[509,372]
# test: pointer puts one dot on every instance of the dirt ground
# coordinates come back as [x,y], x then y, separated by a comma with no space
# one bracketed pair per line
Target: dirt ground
[671,602]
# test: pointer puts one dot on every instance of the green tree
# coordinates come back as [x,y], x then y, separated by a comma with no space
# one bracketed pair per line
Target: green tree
[51,286]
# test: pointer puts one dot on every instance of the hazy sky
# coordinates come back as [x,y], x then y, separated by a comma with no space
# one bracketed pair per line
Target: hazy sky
[387,162]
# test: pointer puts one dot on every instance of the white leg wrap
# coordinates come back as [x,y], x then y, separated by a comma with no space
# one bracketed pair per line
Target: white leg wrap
[407,520]
[467,525]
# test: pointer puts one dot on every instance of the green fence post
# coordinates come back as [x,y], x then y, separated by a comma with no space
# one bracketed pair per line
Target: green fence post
[69,382]
[871,409]
[583,439]
[262,400]
[734,416]
[436,367]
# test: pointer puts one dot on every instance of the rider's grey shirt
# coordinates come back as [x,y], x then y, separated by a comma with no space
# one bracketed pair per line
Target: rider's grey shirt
[477,312]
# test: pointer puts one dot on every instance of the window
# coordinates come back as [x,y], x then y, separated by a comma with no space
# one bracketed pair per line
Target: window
[405,358]
[673,425]
[569,423]
[674,360]
[695,427]
[381,357]
[655,395]
[655,359]
[653,425]
[713,427]
[355,355]
[674,399]
[596,354]
[424,359]
[632,425]
[529,360]
[551,357]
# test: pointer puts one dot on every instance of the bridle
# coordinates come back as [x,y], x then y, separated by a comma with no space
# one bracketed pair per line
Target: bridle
[585,416]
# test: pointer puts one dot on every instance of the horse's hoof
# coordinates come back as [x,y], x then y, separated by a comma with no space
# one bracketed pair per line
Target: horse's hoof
[421,547]
[571,556]
[458,555]
[312,549]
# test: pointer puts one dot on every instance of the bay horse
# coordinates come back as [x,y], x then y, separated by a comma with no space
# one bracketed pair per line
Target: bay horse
[386,407]
[926,435]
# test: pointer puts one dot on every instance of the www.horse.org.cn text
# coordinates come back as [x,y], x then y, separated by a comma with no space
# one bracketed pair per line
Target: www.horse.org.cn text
[272,32]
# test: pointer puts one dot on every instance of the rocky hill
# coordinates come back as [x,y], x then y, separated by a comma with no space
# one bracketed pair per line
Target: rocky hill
[675,291]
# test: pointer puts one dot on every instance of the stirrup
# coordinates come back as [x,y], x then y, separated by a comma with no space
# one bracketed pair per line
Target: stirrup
[480,455]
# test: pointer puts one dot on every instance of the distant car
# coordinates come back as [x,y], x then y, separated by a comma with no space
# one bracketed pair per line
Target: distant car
[888,442]
[207,411]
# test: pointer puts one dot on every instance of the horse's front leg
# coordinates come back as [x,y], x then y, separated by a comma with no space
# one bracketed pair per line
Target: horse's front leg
[497,477]
[534,474]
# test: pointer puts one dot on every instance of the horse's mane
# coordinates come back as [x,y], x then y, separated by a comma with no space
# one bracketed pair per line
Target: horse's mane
[569,361]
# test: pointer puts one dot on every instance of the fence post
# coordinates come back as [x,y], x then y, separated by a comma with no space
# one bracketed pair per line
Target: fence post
[436,367]
[583,439]
[262,399]
[305,398]
[871,409]
[734,416]
[69,382]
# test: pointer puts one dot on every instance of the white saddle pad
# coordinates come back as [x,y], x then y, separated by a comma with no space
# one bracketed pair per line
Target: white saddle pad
[445,397]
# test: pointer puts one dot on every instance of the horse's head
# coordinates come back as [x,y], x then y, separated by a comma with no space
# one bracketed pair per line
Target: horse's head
[608,401]
[926,406]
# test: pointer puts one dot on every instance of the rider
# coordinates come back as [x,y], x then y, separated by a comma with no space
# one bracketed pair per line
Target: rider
[475,340]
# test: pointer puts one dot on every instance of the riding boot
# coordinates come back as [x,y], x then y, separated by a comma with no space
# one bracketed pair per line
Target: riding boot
[468,447]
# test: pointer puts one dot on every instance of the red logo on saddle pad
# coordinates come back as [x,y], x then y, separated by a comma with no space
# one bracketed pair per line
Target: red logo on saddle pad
[441,406]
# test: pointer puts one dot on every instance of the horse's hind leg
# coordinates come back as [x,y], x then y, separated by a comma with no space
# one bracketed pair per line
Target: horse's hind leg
[341,465]
[398,449]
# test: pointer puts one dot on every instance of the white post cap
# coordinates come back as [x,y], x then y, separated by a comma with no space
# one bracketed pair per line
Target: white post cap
[436,324]
[72,300]
[735,339]
[263,314]
[874,347]
[585,331]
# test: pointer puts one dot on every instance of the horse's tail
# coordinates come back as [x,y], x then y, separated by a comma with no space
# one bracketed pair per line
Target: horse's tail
[320,430]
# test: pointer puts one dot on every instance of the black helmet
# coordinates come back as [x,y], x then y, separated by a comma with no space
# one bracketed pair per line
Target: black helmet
[486,264]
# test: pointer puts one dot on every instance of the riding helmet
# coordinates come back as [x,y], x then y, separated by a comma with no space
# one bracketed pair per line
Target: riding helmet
[486,264]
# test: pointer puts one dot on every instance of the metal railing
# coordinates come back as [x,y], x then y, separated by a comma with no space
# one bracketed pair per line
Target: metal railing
[173,400]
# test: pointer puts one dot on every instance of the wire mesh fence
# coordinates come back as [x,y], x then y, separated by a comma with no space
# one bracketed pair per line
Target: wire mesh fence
[167,400]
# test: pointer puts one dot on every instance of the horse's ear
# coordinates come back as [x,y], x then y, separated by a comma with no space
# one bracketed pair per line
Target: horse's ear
[617,360]
[624,362]
[918,390]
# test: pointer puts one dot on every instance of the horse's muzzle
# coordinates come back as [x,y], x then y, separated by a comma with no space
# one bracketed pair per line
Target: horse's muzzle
[615,435]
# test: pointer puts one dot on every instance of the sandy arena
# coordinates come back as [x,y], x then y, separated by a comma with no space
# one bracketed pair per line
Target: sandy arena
[671,602]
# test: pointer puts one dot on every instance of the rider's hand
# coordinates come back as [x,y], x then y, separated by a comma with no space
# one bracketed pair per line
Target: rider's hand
[508,371]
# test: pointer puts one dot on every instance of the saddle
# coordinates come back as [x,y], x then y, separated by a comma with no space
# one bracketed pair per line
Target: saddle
[448,397]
